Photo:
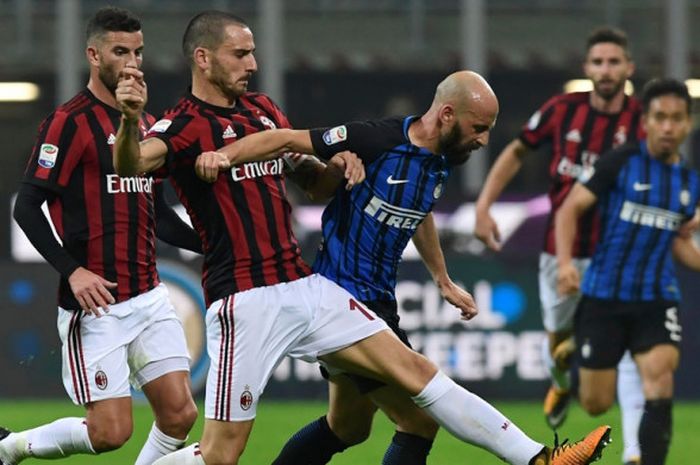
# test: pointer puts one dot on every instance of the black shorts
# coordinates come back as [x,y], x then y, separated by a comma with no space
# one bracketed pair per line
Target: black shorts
[605,329]
[387,310]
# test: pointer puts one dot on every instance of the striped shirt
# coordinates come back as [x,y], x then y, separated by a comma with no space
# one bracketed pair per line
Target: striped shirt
[643,202]
[244,218]
[366,229]
[105,222]
[578,135]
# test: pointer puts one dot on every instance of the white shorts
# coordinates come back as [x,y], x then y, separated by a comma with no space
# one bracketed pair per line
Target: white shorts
[250,332]
[557,310]
[139,340]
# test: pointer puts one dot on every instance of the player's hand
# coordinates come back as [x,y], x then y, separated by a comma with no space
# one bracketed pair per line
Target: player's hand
[460,298]
[131,92]
[209,164]
[486,230]
[568,280]
[350,165]
[689,227]
[91,291]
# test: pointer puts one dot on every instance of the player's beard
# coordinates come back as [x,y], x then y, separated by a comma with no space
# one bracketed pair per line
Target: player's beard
[450,147]
[220,78]
[611,92]
[109,77]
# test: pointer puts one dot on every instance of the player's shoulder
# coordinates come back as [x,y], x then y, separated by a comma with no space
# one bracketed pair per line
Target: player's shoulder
[573,98]
[259,99]
[619,155]
[76,105]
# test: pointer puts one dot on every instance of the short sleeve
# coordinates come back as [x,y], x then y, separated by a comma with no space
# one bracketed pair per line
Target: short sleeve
[368,139]
[179,134]
[607,168]
[58,150]
[540,127]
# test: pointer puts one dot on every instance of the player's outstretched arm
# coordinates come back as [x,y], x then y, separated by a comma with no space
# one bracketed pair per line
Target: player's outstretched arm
[576,203]
[427,241]
[265,145]
[129,156]
[506,166]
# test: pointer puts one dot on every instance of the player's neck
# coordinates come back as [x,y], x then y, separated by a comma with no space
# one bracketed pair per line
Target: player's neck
[204,91]
[101,92]
[421,135]
[613,105]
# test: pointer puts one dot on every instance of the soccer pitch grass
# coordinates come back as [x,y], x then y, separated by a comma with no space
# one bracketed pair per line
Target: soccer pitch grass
[277,420]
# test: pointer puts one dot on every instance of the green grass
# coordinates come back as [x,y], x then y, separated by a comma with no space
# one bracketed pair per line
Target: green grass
[276,421]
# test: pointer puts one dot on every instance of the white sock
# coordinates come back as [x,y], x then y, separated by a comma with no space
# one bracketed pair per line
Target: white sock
[190,455]
[471,419]
[61,438]
[560,379]
[157,445]
[630,396]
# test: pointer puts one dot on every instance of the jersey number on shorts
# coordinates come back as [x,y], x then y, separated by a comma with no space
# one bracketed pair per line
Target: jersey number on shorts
[354,305]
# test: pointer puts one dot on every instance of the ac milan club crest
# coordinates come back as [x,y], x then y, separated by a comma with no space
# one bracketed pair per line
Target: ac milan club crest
[246,399]
[101,380]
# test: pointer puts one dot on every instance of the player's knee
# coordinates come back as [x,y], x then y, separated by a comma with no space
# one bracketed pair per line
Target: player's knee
[596,405]
[351,431]
[177,422]
[417,424]
[109,437]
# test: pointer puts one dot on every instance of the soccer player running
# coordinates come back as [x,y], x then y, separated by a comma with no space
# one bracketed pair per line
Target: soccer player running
[630,291]
[579,127]
[264,301]
[115,320]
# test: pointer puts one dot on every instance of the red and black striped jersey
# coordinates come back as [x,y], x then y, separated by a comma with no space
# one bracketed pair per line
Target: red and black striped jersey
[105,222]
[578,135]
[244,217]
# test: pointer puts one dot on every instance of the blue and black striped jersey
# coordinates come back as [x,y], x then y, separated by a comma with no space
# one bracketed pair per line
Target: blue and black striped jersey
[366,229]
[643,201]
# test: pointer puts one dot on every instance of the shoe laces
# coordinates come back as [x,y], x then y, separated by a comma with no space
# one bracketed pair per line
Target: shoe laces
[560,448]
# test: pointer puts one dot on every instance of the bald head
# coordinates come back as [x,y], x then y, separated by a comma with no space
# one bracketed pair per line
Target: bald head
[467,91]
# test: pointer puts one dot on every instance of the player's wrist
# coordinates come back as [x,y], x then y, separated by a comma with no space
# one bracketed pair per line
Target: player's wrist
[130,119]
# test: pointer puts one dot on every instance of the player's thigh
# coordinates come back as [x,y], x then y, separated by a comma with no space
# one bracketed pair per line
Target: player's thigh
[383,356]
[94,354]
[160,346]
[557,310]
[601,332]
[248,335]
[170,397]
[224,441]
[407,416]
[350,413]
[597,389]
[656,368]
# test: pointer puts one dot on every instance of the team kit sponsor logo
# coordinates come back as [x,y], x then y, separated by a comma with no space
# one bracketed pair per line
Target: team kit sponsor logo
[583,171]
[128,185]
[257,169]
[645,215]
[391,215]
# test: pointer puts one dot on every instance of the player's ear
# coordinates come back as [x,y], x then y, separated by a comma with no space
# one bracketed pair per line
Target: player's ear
[93,55]
[201,58]
[446,114]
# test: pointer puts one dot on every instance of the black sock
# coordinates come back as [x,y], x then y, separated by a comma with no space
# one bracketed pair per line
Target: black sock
[655,431]
[314,444]
[407,449]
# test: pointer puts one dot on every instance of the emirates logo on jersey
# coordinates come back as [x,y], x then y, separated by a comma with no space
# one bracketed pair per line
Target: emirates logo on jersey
[257,169]
[118,185]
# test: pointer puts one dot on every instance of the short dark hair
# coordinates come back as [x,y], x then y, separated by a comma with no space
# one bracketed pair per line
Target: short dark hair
[112,19]
[665,86]
[608,35]
[207,30]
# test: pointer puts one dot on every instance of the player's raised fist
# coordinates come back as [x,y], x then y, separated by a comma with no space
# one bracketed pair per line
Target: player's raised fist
[208,165]
[131,92]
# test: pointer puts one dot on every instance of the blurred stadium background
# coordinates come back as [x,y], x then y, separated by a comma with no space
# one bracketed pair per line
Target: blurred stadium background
[328,61]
